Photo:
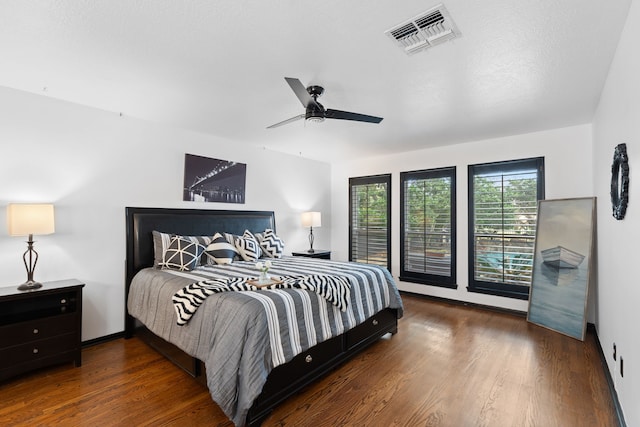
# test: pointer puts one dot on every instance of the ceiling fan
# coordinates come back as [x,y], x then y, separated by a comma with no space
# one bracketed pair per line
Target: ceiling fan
[315,112]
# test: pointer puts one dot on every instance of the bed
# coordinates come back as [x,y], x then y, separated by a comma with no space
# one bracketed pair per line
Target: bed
[229,343]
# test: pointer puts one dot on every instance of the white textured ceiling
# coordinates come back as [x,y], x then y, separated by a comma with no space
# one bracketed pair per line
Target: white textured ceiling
[218,66]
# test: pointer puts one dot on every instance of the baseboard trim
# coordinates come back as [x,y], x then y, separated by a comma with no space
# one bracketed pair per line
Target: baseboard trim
[467,304]
[612,389]
[103,339]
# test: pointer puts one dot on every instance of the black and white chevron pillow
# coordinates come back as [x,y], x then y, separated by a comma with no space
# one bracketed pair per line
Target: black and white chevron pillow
[248,246]
[220,251]
[182,254]
[272,245]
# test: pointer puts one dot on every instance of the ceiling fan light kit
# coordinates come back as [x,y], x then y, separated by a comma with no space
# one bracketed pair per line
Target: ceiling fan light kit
[314,111]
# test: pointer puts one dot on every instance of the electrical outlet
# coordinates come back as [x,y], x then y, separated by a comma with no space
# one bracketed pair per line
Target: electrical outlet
[615,353]
[621,367]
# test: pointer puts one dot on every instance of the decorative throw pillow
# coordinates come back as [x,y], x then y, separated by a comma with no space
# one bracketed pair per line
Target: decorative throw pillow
[231,238]
[220,251]
[182,254]
[248,247]
[272,245]
[161,243]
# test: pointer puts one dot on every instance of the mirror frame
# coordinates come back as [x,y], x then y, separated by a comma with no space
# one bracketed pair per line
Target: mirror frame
[620,181]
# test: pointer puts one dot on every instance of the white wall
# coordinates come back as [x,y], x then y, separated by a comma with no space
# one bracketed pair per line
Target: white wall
[92,164]
[618,309]
[568,173]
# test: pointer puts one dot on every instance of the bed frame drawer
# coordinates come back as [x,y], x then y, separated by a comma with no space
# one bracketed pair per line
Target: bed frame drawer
[306,364]
[377,325]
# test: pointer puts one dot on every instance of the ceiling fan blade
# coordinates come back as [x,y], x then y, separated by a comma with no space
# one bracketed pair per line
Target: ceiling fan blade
[284,122]
[301,92]
[346,115]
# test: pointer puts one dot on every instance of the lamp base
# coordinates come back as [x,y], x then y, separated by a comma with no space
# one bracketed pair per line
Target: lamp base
[29,285]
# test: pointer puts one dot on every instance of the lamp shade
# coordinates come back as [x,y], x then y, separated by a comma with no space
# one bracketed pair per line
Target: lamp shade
[26,219]
[311,219]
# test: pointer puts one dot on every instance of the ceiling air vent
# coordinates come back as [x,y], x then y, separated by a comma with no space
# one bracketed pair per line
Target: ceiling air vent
[427,29]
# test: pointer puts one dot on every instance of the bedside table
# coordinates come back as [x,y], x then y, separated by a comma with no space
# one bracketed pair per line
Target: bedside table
[40,327]
[318,253]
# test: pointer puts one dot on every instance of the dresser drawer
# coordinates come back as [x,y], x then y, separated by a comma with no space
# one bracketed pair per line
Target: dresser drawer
[379,324]
[37,329]
[38,306]
[40,349]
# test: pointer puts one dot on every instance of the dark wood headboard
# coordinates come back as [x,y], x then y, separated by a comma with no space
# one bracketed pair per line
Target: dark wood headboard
[140,222]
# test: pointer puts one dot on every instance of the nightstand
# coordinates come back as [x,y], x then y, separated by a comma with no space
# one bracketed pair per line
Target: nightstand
[41,327]
[317,253]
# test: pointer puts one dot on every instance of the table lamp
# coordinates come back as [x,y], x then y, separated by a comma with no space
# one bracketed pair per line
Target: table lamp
[27,220]
[311,219]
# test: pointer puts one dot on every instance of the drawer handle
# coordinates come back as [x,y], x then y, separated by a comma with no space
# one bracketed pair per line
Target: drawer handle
[375,322]
[63,301]
[308,359]
[35,330]
[35,351]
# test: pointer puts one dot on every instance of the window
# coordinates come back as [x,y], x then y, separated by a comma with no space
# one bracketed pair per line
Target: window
[370,220]
[428,237]
[503,200]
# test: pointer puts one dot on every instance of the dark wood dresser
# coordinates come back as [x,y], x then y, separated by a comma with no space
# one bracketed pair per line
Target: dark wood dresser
[41,327]
[318,253]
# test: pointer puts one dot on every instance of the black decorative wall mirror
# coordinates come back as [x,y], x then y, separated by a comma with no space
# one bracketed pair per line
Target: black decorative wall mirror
[620,181]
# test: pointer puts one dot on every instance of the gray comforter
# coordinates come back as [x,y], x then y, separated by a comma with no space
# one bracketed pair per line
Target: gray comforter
[242,336]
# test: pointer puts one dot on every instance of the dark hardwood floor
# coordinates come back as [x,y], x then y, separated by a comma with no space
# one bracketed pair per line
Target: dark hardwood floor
[449,365]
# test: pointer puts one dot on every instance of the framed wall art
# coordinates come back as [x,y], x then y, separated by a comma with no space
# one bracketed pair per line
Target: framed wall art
[562,265]
[213,180]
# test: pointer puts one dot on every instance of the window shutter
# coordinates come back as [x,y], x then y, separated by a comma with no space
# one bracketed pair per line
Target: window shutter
[505,227]
[370,227]
[428,226]
[503,216]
